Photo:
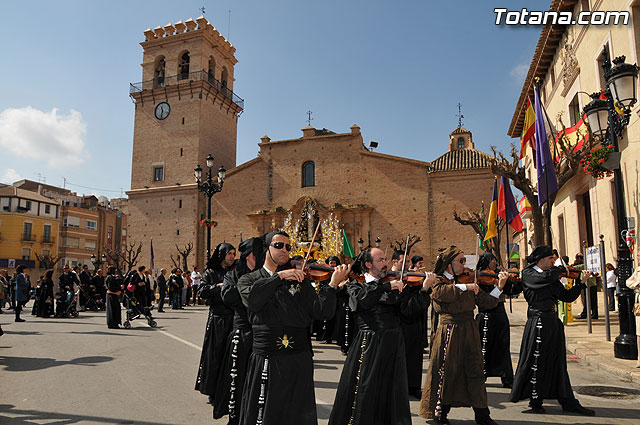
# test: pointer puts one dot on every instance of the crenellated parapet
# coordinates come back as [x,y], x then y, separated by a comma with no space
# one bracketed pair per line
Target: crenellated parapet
[179,28]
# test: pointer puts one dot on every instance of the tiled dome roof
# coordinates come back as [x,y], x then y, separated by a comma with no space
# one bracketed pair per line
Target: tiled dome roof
[461,159]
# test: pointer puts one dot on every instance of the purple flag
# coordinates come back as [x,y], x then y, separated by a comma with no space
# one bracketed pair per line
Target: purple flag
[547,180]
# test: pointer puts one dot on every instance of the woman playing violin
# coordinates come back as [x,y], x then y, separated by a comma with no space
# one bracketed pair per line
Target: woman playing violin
[493,325]
[455,375]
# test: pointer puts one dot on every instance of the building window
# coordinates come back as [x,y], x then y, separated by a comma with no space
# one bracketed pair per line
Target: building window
[90,245]
[26,253]
[308,174]
[183,66]
[46,252]
[71,243]
[110,236]
[46,234]
[71,222]
[158,174]
[26,236]
[179,203]
[212,70]
[603,84]
[461,143]
[574,111]
[223,79]
[47,209]
[92,225]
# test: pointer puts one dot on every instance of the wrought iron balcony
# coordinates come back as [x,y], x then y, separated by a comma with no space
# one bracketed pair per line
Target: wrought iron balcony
[27,237]
[163,82]
[49,239]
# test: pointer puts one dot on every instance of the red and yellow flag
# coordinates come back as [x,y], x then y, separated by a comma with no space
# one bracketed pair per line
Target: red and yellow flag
[573,137]
[528,130]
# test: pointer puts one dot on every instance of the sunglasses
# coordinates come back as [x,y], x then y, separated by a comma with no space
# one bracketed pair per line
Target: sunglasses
[462,260]
[280,245]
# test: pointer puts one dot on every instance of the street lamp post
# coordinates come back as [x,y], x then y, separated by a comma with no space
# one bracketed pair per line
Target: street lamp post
[98,262]
[209,188]
[361,244]
[608,124]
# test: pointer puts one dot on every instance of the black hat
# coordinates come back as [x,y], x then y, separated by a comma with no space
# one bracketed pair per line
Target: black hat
[539,253]
[332,258]
[485,259]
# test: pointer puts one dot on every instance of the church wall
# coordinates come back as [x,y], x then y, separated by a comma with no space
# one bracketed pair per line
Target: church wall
[461,191]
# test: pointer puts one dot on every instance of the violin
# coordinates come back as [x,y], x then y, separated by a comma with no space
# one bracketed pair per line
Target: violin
[485,277]
[320,272]
[571,273]
[408,278]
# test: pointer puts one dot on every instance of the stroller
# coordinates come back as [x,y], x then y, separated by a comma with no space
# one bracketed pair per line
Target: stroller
[93,300]
[135,310]
[66,304]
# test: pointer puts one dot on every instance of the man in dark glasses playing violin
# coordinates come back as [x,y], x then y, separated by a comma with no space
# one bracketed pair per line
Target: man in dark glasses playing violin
[281,304]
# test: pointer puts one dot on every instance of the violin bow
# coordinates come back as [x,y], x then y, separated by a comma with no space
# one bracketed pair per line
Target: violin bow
[313,239]
[404,259]
[477,257]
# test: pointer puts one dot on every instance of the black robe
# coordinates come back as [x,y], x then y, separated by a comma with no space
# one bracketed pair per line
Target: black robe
[493,325]
[373,385]
[542,367]
[114,312]
[236,356]
[344,323]
[45,299]
[218,327]
[414,302]
[279,384]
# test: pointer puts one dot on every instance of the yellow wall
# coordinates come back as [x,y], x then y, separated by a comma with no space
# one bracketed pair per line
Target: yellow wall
[12,231]
[587,43]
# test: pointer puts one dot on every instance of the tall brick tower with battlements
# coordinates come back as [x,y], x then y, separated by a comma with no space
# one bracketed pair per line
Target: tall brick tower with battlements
[185,109]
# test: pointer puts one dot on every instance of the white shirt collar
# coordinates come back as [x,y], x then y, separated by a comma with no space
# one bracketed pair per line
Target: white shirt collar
[268,271]
[448,275]
[369,278]
[538,269]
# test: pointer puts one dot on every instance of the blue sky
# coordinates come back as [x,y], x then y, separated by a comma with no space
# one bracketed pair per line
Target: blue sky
[397,69]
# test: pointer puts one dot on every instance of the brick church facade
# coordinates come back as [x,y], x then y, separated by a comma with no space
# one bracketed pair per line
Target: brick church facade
[371,194]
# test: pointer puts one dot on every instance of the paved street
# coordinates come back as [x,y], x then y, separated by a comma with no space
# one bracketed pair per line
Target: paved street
[76,371]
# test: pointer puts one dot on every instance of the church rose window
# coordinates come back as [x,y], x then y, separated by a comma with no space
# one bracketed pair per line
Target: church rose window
[308,174]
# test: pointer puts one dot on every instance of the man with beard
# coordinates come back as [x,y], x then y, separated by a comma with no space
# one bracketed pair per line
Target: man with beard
[219,322]
[281,304]
[456,376]
[240,341]
[373,385]
[542,367]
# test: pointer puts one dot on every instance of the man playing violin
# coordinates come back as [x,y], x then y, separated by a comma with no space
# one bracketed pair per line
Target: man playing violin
[414,303]
[493,324]
[455,375]
[542,367]
[373,385]
[281,304]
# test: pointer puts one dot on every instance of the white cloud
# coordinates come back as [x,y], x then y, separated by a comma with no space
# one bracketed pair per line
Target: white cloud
[519,72]
[58,139]
[9,176]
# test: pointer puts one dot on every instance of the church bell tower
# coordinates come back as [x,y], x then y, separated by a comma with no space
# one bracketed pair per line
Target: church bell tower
[185,109]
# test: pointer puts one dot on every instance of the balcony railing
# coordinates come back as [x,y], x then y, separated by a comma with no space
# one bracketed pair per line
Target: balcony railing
[49,239]
[28,238]
[160,82]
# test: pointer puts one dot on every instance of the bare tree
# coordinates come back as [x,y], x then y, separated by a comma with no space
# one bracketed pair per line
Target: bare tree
[47,261]
[114,257]
[566,168]
[131,254]
[184,253]
[399,245]
[479,225]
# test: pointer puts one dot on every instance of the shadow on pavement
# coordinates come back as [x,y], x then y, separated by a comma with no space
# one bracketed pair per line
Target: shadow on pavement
[326,384]
[22,332]
[28,416]
[98,333]
[23,364]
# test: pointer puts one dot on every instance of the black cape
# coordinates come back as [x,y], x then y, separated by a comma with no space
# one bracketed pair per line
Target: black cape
[373,385]
[236,356]
[218,327]
[542,367]
[414,302]
[279,384]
